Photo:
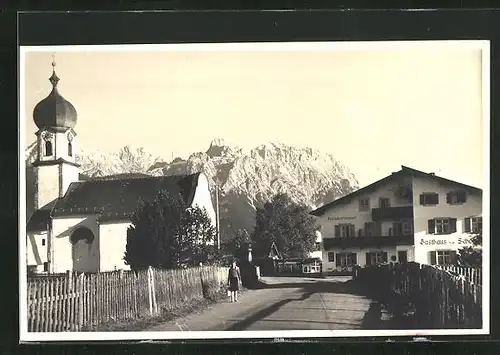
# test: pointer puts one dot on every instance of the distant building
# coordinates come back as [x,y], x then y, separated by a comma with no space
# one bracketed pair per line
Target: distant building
[82,225]
[409,215]
[317,253]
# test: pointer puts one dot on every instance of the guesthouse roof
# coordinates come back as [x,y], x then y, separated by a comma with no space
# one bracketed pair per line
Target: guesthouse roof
[405,171]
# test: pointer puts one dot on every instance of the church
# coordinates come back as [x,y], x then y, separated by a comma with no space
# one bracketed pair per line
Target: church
[80,224]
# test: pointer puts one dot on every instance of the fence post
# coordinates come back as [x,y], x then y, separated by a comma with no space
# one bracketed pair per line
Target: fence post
[150,291]
[81,280]
[153,288]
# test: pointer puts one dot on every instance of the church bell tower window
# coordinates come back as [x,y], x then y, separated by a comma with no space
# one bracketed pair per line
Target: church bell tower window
[48,148]
[48,144]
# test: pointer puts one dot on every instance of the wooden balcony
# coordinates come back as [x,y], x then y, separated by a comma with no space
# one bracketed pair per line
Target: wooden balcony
[392,213]
[364,242]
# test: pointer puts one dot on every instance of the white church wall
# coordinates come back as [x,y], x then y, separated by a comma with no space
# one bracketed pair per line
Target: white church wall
[113,241]
[63,250]
[203,198]
[36,248]
[47,184]
[67,174]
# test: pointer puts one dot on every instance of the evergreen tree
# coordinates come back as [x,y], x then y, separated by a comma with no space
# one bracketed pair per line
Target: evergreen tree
[237,245]
[166,234]
[288,225]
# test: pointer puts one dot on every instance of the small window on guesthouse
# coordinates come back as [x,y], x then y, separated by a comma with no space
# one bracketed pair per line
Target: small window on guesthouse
[364,204]
[429,199]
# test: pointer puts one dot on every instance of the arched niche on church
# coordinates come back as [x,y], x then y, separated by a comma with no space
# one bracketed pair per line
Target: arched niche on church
[82,233]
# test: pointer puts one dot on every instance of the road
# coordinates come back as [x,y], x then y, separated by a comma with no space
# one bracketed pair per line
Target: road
[287,303]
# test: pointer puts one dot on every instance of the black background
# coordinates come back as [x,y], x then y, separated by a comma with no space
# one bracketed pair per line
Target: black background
[226,26]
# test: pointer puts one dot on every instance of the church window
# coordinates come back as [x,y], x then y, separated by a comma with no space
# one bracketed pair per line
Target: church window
[48,148]
[70,149]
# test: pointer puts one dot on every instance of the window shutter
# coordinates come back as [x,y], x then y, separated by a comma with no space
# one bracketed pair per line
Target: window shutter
[367,231]
[466,228]
[352,230]
[422,199]
[354,258]
[431,225]
[368,259]
[453,225]
[453,256]
[337,230]
[462,196]
[436,199]
[432,257]
[448,197]
[337,260]
[384,256]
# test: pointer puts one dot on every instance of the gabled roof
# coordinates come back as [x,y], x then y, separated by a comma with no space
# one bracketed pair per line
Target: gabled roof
[273,251]
[405,171]
[117,197]
[39,221]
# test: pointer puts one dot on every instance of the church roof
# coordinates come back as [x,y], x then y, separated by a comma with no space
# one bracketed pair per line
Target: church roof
[40,218]
[115,198]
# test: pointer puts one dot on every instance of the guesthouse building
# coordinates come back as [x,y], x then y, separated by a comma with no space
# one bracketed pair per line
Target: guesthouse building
[409,215]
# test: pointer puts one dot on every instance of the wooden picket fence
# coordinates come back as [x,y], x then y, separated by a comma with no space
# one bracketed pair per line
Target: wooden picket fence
[441,297]
[77,302]
[473,275]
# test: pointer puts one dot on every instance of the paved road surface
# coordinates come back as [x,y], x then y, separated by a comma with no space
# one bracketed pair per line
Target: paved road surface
[285,303]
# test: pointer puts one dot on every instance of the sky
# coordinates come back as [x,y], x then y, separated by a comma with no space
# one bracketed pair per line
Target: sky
[373,110]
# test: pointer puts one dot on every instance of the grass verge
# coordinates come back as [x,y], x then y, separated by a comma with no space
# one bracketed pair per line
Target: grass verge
[194,306]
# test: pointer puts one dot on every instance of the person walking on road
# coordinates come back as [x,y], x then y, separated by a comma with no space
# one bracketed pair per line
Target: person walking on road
[234,281]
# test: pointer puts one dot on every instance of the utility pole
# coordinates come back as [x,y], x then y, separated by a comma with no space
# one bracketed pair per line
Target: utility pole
[217,213]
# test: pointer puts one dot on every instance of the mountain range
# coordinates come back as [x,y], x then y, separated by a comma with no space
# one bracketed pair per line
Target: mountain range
[246,178]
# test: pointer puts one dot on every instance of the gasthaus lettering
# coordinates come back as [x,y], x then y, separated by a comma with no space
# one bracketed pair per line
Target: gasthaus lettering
[459,241]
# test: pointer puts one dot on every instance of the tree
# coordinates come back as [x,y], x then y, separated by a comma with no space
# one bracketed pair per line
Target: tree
[289,225]
[472,256]
[166,234]
[237,245]
[201,237]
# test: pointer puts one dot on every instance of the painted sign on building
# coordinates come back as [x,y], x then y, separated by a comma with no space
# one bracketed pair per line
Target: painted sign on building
[341,218]
[451,242]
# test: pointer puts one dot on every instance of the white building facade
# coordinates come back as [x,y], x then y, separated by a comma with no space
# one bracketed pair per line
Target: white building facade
[407,216]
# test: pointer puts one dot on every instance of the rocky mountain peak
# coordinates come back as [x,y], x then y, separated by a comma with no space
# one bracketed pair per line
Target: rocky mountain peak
[220,149]
[247,178]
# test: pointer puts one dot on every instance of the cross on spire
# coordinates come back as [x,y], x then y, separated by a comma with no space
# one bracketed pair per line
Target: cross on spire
[54,78]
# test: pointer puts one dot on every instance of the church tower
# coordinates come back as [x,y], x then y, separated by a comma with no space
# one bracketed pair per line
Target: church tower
[55,166]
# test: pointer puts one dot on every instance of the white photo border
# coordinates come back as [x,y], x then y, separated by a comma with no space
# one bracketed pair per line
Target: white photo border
[482,45]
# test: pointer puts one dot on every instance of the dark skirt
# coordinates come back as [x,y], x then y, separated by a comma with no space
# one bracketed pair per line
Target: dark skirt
[233,284]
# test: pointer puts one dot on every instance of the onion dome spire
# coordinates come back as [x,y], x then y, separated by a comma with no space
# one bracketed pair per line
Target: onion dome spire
[54,112]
